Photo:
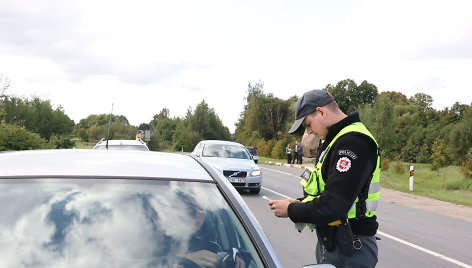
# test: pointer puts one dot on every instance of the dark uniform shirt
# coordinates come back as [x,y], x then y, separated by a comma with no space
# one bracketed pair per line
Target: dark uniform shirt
[342,186]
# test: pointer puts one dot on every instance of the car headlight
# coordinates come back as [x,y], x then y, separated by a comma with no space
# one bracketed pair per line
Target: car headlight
[255,173]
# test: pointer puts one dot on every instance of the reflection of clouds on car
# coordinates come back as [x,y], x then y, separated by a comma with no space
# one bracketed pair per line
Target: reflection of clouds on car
[115,222]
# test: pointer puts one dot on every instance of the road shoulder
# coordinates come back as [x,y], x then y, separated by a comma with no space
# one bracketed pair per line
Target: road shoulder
[426,203]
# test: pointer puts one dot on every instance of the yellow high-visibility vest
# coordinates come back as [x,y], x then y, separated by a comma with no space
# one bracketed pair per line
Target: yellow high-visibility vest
[313,183]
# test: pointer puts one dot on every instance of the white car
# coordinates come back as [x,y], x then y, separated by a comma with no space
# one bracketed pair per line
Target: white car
[121,145]
[233,161]
[98,208]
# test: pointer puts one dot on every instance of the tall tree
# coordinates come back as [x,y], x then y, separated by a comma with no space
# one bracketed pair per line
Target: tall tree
[460,136]
[263,114]
[35,115]
[422,101]
[350,97]
[377,118]
[343,93]
[163,130]
[207,124]
[96,126]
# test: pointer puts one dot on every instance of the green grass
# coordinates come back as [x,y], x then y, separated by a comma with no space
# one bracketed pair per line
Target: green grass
[84,145]
[448,184]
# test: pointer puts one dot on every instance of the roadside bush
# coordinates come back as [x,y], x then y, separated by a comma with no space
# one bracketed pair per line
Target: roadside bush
[14,137]
[466,168]
[279,149]
[56,142]
[265,147]
[385,164]
[398,167]
[185,138]
[438,156]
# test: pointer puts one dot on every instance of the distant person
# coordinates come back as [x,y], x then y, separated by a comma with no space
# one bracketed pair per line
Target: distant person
[295,153]
[300,154]
[140,135]
[288,152]
[342,192]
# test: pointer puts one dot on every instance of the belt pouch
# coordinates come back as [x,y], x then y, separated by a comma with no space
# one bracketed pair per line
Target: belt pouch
[327,236]
[345,238]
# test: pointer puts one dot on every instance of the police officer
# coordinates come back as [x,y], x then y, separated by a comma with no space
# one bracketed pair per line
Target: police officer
[288,152]
[140,135]
[342,191]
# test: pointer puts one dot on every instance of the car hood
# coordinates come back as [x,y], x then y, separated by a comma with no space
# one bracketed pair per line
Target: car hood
[231,163]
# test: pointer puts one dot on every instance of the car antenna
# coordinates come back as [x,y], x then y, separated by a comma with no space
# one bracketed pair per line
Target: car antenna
[109,125]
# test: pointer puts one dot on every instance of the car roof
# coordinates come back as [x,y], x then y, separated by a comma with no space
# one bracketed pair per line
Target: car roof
[122,142]
[221,142]
[101,163]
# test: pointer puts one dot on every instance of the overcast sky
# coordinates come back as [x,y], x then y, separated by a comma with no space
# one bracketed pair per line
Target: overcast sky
[143,55]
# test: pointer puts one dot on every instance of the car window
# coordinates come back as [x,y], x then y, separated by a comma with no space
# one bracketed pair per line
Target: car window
[252,151]
[198,149]
[122,147]
[227,151]
[117,223]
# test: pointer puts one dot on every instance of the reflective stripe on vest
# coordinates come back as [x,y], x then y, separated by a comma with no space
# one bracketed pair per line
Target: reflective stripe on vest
[314,186]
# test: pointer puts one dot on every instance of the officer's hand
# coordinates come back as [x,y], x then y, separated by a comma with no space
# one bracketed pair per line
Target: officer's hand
[280,207]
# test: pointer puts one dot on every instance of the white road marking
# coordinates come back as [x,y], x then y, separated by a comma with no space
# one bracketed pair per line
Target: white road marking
[265,197]
[459,263]
[425,250]
[277,193]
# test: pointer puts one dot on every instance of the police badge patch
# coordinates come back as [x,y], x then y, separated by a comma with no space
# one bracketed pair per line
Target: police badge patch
[343,164]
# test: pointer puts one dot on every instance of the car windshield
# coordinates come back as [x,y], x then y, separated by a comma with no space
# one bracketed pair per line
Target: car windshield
[227,151]
[117,223]
[122,147]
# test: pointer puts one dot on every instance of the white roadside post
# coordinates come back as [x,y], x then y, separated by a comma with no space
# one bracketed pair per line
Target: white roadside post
[412,171]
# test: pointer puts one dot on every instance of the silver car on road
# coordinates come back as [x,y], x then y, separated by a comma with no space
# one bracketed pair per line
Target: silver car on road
[233,161]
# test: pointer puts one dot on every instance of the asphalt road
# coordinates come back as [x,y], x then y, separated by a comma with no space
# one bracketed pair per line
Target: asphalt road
[409,237]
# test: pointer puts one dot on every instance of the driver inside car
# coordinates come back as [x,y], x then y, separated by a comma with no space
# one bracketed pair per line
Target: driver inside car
[203,247]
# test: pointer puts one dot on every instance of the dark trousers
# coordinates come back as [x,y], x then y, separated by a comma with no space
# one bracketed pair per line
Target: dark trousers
[289,158]
[300,159]
[295,158]
[366,257]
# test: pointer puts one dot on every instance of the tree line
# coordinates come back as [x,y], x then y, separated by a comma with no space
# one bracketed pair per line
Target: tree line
[33,123]
[407,129]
